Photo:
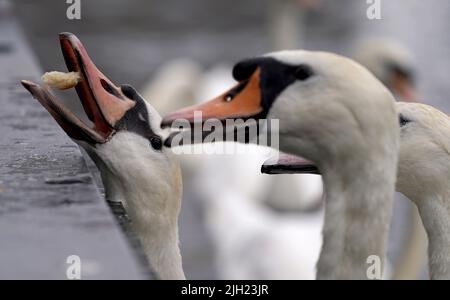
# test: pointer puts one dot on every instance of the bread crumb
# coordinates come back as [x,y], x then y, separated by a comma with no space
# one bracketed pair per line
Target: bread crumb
[60,80]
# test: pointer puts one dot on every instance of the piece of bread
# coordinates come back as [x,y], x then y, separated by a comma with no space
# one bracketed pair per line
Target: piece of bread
[60,80]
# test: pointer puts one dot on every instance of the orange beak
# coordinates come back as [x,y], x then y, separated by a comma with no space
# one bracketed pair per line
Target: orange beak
[104,102]
[243,101]
[100,97]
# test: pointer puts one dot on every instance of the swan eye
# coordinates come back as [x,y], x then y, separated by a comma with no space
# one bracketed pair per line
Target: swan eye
[403,121]
[303,72]
[156,142]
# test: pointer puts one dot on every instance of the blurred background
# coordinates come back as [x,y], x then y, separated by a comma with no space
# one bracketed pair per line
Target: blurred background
[181,52]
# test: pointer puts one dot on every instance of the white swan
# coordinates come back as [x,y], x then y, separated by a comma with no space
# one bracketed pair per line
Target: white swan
[125,144]
[424,175]
[390,62]
[394,65]
[183,79]
[337,114]
[181,83]
[247,192]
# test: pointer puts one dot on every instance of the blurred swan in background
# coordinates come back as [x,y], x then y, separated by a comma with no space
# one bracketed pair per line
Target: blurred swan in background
[251,240]
[392,63]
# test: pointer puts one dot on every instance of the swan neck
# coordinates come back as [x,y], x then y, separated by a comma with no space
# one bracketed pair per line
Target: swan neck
[358,210]
[435,215]
[164,255]
[158,233]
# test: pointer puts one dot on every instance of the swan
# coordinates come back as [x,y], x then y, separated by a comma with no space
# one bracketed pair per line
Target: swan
[225,208]
[390,62]
[394,65]
[423,175]
[185,79]
[126,145]
[334,112]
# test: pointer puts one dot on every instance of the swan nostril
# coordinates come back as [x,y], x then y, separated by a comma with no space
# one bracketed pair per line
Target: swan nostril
[110,89]
[235,91]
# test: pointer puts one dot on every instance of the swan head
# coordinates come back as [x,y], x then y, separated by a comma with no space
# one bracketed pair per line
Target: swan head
[390,62]
[125,137]
[423,168]
[324,103]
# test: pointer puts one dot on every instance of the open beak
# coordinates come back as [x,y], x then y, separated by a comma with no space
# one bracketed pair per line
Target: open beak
[288,164]
[104,102]
[243,101]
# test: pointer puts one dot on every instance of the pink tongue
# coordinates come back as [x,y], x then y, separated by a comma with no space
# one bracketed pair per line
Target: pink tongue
[288,164]
[287,160]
